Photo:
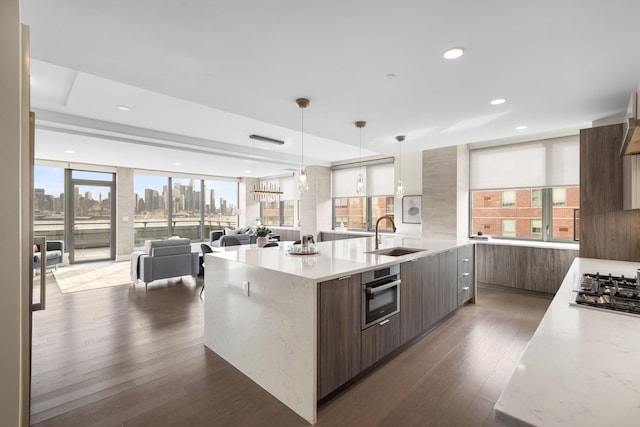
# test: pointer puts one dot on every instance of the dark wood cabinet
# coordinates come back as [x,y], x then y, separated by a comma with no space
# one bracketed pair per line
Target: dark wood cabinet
[410,299]
[523,267]
[430,284]
[339,305]
[466,289]
[431,288]
[439,286]
[379,340]
[448,282]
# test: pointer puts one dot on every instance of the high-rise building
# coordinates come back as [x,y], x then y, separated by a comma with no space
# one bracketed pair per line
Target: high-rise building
[223,206]
[212,198]
[38,194]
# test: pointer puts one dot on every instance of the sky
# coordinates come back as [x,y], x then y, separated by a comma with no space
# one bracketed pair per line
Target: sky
[52,180]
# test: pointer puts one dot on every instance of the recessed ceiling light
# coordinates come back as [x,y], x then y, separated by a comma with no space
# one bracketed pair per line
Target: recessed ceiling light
[391,76]
[522,127]
[247,171]
[498,101]
[123,108]
[176,164]
[453,53]
[70,151]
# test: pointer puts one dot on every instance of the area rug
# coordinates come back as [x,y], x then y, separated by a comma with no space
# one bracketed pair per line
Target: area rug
[95,275]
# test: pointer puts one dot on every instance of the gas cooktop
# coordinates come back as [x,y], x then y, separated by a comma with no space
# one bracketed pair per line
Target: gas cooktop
[620,294]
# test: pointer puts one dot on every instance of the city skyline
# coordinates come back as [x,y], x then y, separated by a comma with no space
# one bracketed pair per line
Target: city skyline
[49,191]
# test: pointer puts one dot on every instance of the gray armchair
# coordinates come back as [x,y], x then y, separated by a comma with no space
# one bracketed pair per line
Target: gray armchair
[164,259]
[55,254]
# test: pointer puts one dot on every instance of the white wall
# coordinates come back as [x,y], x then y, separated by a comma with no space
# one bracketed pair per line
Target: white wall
[11,226]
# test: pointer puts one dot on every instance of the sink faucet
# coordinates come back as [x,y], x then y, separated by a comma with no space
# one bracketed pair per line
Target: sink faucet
[393,225]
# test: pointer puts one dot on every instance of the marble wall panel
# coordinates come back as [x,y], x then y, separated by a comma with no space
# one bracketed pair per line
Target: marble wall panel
[269,334]
[125,212]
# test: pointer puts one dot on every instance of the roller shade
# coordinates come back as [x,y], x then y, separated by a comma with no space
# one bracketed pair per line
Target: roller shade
[545,163]
[379,179]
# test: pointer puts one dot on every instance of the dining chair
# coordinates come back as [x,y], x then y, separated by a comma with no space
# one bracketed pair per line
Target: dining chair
[206,249]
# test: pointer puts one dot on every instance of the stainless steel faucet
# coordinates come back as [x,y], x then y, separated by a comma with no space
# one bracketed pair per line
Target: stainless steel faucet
[393,225]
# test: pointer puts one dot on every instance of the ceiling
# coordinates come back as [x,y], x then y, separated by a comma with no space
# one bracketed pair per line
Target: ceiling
[200,76]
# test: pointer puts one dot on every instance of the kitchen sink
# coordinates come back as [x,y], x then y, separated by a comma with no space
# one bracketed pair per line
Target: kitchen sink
[398,251]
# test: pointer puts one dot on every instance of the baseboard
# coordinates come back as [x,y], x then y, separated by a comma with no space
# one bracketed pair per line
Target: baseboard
[515,290]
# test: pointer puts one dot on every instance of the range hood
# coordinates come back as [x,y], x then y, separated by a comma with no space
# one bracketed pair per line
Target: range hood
[631,131]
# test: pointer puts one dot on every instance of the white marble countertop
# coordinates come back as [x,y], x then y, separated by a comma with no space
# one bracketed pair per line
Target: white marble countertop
[582,365]
[529,243]
[335,258]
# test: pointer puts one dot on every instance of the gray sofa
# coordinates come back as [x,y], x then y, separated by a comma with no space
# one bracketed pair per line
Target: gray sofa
[227,237]
[163,259]
[55,254]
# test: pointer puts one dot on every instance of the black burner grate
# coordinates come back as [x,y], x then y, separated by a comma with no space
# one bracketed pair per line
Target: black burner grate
[616,293]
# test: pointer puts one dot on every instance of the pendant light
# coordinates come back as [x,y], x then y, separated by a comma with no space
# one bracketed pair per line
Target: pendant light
[360,187]
[303,183]
[400,190]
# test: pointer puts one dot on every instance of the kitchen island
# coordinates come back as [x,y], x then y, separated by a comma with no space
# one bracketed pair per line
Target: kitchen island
[262,314]
[581,367]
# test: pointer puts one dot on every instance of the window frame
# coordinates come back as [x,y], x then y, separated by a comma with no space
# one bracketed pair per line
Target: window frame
[546,203]
[200,185]
[281,214]
[369,222]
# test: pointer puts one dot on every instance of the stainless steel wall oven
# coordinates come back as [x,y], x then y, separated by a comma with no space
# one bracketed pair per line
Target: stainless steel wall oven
[380,294]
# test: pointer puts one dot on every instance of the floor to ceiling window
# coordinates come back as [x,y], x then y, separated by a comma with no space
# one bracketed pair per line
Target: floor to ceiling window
[152,207]
[49,202]
[187,207]
[220,205]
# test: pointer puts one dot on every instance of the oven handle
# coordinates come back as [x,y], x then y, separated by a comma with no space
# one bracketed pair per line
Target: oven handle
[381,288]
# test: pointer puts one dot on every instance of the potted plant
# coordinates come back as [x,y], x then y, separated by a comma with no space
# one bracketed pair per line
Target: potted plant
[262,233]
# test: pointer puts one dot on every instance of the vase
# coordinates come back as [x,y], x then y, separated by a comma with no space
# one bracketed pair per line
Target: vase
[261,241]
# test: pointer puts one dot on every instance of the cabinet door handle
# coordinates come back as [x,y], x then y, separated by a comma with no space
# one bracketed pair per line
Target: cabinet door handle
[466,288]
[384,322]
[466,260]
[465,274]
[381,288]
[344,277]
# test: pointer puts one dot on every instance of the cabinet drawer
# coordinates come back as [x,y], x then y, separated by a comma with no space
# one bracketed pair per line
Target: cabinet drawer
[380,340]
[464,295]
[464,281]
[465,259]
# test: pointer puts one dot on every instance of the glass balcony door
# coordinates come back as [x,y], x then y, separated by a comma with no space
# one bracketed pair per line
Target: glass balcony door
[91,228]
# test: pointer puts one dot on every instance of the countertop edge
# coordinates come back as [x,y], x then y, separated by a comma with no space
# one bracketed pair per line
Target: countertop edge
[430,246]
[562,362]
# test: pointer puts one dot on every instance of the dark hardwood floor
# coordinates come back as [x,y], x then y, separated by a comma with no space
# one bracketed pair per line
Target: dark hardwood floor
[125,357]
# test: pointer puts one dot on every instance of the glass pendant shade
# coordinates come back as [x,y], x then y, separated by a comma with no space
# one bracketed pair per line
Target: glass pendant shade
[400,190]
[360,185]
[303,184]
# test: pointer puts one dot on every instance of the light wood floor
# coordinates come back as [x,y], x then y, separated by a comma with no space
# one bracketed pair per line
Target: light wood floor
[125,357]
